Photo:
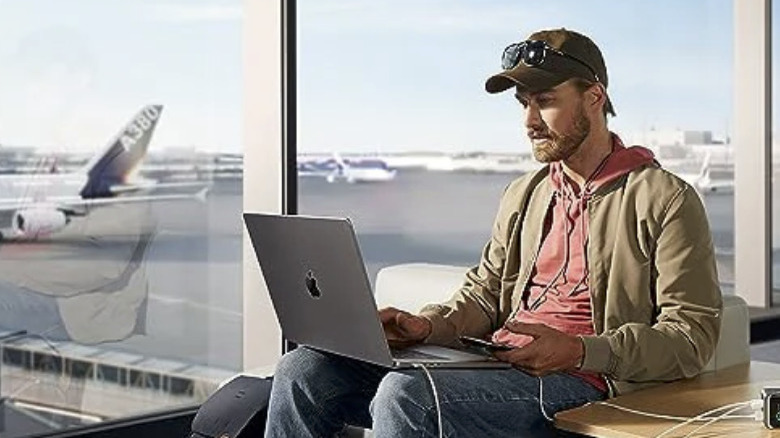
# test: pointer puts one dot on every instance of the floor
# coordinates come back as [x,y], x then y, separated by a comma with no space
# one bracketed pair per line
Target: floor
[766,351]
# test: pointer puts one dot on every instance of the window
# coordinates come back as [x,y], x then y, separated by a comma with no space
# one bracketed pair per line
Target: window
[396,87]
[120,273]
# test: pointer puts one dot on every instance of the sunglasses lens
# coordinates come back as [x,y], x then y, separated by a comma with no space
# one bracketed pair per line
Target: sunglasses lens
[511,56]
[534,53]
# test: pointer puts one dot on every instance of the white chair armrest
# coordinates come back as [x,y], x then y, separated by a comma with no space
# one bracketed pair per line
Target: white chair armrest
[411,286]
[734,344]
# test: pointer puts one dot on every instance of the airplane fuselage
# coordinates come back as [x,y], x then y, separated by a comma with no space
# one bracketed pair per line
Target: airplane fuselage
[27,189]
[363,174]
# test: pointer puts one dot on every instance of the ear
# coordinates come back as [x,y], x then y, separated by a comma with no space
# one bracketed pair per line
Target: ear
[596,97]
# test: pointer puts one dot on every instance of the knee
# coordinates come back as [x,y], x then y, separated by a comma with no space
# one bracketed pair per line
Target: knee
[299,365]
[400,393]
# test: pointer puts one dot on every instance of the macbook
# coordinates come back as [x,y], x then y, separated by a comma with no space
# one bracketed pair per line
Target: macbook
[322,295]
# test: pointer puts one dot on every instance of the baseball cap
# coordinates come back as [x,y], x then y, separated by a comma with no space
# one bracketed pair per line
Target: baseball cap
[570,54]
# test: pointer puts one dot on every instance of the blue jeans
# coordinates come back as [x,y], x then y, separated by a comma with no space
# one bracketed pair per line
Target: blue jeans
[315,394]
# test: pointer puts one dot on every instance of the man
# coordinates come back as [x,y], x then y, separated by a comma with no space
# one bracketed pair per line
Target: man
[599,271]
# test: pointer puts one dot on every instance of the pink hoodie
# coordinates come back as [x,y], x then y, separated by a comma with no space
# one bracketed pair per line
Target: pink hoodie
[558,294]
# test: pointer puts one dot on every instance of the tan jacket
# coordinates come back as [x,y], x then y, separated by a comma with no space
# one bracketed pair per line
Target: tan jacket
[655,296]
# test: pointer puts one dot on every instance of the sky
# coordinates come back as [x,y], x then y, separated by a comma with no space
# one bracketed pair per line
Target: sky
[73,72]
[373,75]
[394,75]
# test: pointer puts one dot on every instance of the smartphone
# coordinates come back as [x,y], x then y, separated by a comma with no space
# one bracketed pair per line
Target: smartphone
[490,346]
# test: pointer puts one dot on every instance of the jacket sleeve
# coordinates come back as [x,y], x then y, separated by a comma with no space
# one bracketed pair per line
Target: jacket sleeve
[473,309]
[688,305]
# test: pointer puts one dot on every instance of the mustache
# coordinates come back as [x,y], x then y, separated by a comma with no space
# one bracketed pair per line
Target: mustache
[531,133]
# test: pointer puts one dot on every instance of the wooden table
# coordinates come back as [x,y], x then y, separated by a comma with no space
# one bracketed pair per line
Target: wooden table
[685,399]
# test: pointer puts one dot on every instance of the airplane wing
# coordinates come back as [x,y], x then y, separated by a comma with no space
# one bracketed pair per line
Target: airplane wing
[71,204]
[146,185]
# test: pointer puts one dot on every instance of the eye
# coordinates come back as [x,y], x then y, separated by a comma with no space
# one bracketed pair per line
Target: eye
[544,100]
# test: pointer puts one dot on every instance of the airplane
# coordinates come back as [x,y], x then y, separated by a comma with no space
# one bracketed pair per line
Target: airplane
[35,205]
[351,171]
[707,180]
[356,171]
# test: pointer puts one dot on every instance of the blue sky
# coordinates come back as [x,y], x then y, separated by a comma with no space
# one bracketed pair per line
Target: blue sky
[374,75]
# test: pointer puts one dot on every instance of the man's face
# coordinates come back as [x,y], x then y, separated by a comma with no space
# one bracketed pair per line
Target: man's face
[555,121]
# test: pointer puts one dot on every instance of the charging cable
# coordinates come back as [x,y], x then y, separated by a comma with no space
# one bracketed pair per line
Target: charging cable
[709,417]
[728,408]
[435,399]
[541,401]
[673,417]
[718,418]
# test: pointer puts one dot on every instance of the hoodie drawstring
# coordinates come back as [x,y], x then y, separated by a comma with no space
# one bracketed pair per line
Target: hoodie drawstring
[582,200]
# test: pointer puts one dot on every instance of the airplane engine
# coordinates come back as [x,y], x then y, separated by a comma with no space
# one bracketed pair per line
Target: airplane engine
[38,221]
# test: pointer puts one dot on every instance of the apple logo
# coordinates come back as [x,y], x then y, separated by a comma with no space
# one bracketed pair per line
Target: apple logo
[311,285]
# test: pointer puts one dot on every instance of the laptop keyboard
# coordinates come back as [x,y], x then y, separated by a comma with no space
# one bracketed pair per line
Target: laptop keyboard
[413,354]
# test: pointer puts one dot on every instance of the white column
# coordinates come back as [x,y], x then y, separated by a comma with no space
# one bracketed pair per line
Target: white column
[752,146]
[263,162]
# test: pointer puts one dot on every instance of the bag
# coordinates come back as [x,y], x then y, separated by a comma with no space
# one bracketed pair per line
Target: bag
[237,410]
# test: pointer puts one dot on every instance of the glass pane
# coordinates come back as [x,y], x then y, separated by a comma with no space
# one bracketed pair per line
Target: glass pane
[397,87]
[121,170]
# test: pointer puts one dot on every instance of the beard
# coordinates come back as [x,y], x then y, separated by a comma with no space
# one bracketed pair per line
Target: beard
[560,146]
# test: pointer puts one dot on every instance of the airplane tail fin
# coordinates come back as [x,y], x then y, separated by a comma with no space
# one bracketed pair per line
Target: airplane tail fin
[122,155]
[705,165]
[340,163]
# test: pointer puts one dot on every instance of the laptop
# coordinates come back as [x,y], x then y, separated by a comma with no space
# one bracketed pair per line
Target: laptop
[322,295]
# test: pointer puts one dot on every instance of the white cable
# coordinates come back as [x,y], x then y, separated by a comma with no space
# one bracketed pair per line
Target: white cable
[702,415]
[435,399]
[666,417]
[718,418]
[541,401]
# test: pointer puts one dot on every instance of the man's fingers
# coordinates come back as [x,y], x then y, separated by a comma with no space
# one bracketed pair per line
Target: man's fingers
[388,314]
[403,329]
[400,317]
[533,330]
[412,325]
[524,357]
[407,322]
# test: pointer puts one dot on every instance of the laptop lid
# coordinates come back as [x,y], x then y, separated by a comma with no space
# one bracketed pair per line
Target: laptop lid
[318,284]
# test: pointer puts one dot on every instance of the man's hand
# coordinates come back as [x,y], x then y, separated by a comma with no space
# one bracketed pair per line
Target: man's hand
[550,351]
[402,329]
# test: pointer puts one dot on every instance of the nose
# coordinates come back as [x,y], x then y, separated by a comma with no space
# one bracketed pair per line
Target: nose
[533,118]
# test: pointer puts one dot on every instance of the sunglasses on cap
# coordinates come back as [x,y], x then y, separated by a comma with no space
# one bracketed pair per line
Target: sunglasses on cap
[532,53]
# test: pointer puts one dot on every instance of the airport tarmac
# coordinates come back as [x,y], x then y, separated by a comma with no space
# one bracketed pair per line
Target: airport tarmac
[192,264]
